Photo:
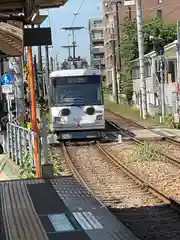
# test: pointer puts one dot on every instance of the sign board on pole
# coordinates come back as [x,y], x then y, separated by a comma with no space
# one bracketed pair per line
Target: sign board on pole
[7,78]
[7,88]
[129,2]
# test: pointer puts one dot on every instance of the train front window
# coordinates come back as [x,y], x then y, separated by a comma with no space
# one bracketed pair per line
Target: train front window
[85,90]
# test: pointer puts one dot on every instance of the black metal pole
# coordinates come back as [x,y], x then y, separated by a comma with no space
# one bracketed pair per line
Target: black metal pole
[52,63]
[74,46]
[129,13]
[47,59]
[115,75]
[37,78]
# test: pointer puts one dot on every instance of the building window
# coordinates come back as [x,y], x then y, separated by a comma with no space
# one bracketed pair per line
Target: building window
[135,73]
[147,69]
[171,75]
[160,1]
[126,19]
[159,13]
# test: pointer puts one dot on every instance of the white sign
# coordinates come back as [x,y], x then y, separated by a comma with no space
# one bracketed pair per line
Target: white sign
[176,117]
[129,2]
[11,96]
[7,88]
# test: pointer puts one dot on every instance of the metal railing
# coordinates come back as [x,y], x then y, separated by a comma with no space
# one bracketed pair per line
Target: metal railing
[20,142]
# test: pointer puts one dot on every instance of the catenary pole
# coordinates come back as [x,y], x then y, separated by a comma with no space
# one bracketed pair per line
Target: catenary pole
[141,57]
[118,3]
[178,66]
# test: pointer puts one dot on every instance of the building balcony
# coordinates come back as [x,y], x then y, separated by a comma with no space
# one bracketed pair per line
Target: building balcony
[96,27]
[96,50]
[97,38]
[97,61]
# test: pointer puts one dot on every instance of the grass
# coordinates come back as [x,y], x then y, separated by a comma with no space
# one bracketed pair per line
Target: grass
[57,163]
[129,112]
[145,152]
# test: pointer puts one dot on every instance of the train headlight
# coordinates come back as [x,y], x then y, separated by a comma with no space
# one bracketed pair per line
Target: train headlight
[99,117]
[65,112]
[56,119]
[90,111]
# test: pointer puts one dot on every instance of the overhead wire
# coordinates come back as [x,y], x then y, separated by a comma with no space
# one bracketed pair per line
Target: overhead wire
[77,12]
[157,7]
[177,7]
[154,8]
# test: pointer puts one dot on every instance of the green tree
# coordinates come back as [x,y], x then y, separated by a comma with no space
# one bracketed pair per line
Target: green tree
[129,45]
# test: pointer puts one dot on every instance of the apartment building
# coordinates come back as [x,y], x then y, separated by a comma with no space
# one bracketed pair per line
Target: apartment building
[96,43]
[169,10]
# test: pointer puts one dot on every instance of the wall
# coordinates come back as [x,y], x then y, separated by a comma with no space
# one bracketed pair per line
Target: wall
[152,87]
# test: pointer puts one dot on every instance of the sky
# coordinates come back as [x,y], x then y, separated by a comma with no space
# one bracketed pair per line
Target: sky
[63,17]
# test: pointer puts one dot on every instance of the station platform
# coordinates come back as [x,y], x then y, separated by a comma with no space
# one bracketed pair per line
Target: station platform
[58,208]
[155,133]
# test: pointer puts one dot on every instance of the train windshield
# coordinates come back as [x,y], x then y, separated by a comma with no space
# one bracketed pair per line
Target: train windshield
[83,90]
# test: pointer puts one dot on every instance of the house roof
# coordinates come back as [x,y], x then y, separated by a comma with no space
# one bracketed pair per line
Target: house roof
[153,53]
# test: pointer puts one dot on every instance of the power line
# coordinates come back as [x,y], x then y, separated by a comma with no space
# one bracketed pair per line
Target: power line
[77,12]
[177,7]
[157,7]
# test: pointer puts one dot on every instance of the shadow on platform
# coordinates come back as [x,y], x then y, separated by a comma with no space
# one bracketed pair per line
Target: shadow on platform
[159,222]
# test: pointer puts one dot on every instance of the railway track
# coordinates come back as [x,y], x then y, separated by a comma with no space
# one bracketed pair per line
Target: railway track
[90,165]
[146,211]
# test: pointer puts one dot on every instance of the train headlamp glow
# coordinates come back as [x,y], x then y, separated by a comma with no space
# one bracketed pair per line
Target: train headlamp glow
[99,117]
[56,119]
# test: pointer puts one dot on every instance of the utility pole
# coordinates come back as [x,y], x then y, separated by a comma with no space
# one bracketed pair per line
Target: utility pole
[38,88]
[33,112]
[129,13]
[69,49]
[114,82]
[16,64]
[178,65]
[57,62]
[40,68]
[52,63]
[47,69]
[141,57]
[118,43]
[47,59]
[162,79]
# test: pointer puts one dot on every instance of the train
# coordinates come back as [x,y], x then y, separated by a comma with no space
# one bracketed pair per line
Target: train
[76,103]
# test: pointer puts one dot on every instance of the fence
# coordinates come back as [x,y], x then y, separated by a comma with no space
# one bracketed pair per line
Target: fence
[20,142]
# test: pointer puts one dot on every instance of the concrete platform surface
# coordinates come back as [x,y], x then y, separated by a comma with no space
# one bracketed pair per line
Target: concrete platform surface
[155,133]
[8,169]
[53,209]
[144,134]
